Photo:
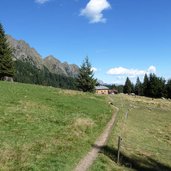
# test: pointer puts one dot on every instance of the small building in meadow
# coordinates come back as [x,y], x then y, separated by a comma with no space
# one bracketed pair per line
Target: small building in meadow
[102,90]
[113,91]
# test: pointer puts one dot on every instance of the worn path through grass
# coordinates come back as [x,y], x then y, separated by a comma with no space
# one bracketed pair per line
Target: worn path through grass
[88,160]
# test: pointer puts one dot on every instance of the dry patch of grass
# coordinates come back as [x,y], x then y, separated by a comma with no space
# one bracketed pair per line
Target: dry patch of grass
[82,125]
[26,106]
[70,92]
[150,102]
[83,122]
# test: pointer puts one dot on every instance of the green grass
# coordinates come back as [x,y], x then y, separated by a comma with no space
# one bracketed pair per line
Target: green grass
[43,128]
[146,136]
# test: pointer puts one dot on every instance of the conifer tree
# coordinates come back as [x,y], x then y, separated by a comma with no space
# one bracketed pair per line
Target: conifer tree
[161,87]
[146,86]
[152,85]
[128,86]
[6,62]
[156,87]
[85,80]
[138,87]
[168,88]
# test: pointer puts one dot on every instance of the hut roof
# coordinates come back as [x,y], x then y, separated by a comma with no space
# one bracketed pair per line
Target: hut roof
[101,88]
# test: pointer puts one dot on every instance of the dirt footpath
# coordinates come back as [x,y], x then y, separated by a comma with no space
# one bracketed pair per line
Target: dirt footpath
[88,160]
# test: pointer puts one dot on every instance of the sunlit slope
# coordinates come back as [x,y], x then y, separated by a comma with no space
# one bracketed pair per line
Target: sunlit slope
[43,128]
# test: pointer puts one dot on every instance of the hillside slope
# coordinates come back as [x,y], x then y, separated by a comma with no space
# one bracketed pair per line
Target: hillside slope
[43,128]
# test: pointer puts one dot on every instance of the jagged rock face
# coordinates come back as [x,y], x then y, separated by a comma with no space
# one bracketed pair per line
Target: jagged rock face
[54,65]
[72,70]
[22,51]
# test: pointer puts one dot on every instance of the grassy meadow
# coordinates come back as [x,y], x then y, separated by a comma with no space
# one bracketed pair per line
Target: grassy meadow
[44,128]
[146,136]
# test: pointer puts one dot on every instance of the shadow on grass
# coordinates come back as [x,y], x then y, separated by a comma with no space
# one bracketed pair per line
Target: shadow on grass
[136,163]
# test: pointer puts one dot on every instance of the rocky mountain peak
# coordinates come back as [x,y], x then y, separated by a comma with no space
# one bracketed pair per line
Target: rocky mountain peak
[52,59]
[22,51]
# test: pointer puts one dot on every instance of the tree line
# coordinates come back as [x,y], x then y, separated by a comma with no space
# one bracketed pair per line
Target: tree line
[25,72]
[152,86]
[28,73]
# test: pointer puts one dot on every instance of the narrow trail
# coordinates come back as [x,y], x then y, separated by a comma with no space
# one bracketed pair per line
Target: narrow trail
[88,160]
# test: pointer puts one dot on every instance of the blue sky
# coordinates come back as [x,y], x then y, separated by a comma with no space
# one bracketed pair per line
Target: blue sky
[121,37]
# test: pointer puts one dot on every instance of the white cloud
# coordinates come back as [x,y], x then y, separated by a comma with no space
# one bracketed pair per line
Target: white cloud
[125,71]
[119,74]
[93,10]
[41,1]
[94,69]
[130,72]
[152,69]
[121,77]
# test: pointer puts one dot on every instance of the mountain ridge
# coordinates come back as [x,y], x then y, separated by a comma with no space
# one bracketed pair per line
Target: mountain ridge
[24,52]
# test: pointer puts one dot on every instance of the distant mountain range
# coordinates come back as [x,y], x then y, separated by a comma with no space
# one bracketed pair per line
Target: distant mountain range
[23,52]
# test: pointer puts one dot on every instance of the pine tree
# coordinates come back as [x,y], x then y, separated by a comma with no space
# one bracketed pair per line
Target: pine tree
[138,87]
[168,88]
[128,87]
[6,62]
[156,86]
[161,87]
[85,80]
[152,85]
[146,86]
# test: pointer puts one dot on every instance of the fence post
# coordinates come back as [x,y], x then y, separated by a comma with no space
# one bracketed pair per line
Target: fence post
[119,145]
